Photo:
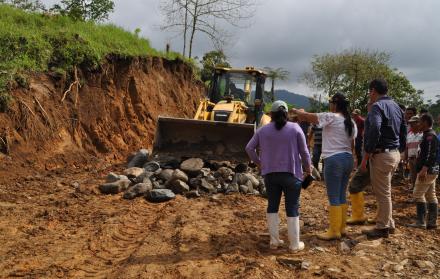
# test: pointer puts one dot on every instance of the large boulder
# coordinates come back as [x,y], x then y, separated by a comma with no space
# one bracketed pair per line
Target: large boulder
[252,179]
[160,195]
[178,186]
[179,175]
[165,174]
[115,187]
[224,172]
[133,172]
[139,159]
[192,166]
[143,178]
[151,166]
[113,177]
[138,190]
[207,187]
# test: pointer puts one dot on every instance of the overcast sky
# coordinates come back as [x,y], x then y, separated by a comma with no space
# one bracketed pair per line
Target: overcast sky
[287,33]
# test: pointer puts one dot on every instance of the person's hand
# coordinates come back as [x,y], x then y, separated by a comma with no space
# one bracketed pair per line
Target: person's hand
[422,174]
[363,166]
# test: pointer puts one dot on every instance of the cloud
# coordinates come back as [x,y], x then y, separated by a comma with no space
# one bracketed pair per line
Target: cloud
[287,33]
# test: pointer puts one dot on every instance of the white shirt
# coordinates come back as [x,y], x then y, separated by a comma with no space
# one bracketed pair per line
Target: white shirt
[335,138]
[412,143]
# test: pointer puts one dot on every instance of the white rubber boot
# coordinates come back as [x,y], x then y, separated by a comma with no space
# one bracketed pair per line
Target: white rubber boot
[273,222]
[293,232]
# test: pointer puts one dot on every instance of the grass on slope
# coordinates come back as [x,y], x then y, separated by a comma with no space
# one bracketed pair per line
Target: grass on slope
[36,42]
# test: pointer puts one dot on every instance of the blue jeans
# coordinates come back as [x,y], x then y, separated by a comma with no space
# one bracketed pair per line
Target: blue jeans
[276,184]
[337,170]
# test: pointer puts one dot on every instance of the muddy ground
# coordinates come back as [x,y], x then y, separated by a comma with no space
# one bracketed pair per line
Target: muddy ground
[54,223]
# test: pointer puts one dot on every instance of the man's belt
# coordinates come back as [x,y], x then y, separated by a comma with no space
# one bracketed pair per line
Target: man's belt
[385,150]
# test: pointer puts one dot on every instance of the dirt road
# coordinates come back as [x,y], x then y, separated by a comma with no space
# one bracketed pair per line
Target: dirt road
[55,224]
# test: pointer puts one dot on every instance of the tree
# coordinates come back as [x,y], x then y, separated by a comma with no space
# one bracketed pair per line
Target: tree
[27,5]
[95,10]
[351,71]
[190,17]
[275,74]
[210,60]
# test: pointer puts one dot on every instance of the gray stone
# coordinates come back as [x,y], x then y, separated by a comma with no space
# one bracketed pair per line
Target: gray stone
[178,186]
[192,166]
[166,174]
[195,182]
[205,171]
[114,187]
[159,195]
[139,159]
[290,262]
[224,172]
[232,188]
[151,166]
[143,178]
[192,194]
[157,185]
[253,179]
[240,179]
[113,177]
[243,189]
[138,190]
[207,187]
[133,172]
[250,186]
[179,175]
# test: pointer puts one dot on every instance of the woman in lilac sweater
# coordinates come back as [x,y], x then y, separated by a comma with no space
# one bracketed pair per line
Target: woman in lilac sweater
[282,152]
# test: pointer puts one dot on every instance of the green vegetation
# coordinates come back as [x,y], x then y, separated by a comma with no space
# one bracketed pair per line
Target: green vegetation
[351,71]
[35,42]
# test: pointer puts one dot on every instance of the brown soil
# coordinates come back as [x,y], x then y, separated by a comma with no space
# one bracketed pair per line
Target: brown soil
[55,224]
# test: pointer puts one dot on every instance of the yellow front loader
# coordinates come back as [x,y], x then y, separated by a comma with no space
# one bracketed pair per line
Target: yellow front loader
[224,122]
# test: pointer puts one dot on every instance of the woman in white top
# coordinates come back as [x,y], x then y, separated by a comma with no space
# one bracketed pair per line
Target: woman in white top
[338,134]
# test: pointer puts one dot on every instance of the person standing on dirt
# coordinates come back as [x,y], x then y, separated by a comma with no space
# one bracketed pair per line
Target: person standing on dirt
[427,171]
[413,140]
[360,121]
[339,131]
[283,151]
[385,138]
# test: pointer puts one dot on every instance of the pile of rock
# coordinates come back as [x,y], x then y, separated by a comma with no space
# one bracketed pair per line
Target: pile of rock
[162,178]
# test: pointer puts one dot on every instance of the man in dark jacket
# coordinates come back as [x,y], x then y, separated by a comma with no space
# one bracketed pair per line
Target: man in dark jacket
[427,171]
[385,138]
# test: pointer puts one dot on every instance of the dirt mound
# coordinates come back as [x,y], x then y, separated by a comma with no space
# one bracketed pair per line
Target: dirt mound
[113,112]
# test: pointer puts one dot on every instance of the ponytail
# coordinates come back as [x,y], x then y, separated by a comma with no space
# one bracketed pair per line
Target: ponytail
[280,118]
[342,106]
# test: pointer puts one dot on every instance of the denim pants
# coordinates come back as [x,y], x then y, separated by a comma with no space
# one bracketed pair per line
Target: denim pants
[337,170]
[276,184]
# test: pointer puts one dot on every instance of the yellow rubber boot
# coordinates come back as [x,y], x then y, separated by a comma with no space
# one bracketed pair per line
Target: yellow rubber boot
[344,219]
[335,220]
[357,209]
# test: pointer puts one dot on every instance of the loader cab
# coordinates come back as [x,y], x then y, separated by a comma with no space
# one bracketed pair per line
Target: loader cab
[246,85]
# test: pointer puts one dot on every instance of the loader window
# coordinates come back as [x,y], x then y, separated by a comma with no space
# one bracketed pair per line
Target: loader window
[240,86]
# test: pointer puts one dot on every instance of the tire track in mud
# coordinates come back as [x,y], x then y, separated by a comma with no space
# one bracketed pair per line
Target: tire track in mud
[113,244]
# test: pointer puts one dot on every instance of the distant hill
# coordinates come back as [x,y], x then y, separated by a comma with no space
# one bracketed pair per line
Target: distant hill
[297,100]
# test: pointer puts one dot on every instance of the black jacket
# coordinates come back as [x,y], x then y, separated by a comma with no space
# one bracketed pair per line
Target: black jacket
[428,152]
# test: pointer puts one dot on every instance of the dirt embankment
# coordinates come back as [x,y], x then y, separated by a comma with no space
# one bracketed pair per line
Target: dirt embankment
[113,112]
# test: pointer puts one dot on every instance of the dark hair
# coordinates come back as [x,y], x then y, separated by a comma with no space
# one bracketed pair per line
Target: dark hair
[413,109]
[280,118]
[342,106]
[380,85]
[402,107]
[423,110]
[427,118]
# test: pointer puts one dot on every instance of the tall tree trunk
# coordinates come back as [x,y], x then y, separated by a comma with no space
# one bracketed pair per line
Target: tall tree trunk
[193,29]
[185,28]
[272,91]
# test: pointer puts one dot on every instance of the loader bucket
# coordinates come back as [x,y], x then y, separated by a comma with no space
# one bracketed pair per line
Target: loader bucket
[210,140]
